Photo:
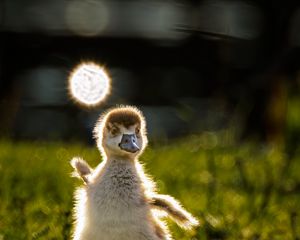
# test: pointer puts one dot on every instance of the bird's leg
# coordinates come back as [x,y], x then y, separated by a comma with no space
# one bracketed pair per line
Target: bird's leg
[82,169]
[174,210]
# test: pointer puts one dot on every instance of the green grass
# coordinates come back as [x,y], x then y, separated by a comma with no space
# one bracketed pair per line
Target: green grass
[238,191]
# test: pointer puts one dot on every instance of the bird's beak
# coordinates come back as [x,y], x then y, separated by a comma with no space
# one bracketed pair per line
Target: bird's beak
[128,143]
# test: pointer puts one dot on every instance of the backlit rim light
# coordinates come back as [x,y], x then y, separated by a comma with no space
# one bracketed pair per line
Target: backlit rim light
[89,84]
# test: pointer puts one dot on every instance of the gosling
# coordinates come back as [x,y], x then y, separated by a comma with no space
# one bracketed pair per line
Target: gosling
[118,201]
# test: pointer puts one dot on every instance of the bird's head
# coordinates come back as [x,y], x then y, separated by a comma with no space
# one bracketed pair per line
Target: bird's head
[121,132]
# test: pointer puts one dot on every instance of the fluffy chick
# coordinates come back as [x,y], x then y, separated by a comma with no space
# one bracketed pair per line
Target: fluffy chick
[119,200]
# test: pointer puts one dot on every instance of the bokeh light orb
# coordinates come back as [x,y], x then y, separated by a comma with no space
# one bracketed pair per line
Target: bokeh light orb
[89,84]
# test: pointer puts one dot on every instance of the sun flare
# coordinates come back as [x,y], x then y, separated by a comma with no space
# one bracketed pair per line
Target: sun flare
[89,84]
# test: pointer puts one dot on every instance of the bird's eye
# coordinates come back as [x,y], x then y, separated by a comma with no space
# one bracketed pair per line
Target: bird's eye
[114,131]
[137,131]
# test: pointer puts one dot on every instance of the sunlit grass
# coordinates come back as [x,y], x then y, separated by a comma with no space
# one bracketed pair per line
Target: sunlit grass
[245,191]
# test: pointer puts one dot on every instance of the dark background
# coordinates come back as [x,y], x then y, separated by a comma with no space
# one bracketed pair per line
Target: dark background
[191,66]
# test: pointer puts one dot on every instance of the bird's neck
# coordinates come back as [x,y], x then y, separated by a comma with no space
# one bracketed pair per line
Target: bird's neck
[122,170]
[115,163]
[125,158]
[112,161]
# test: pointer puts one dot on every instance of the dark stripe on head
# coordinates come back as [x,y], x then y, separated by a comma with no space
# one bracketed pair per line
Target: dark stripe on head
[124,116]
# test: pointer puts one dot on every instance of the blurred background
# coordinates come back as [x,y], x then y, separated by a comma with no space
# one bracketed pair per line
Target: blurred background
[218,82]
[192,66]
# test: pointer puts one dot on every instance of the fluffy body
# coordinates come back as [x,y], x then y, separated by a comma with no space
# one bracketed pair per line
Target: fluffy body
[113,205]
[119,201]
